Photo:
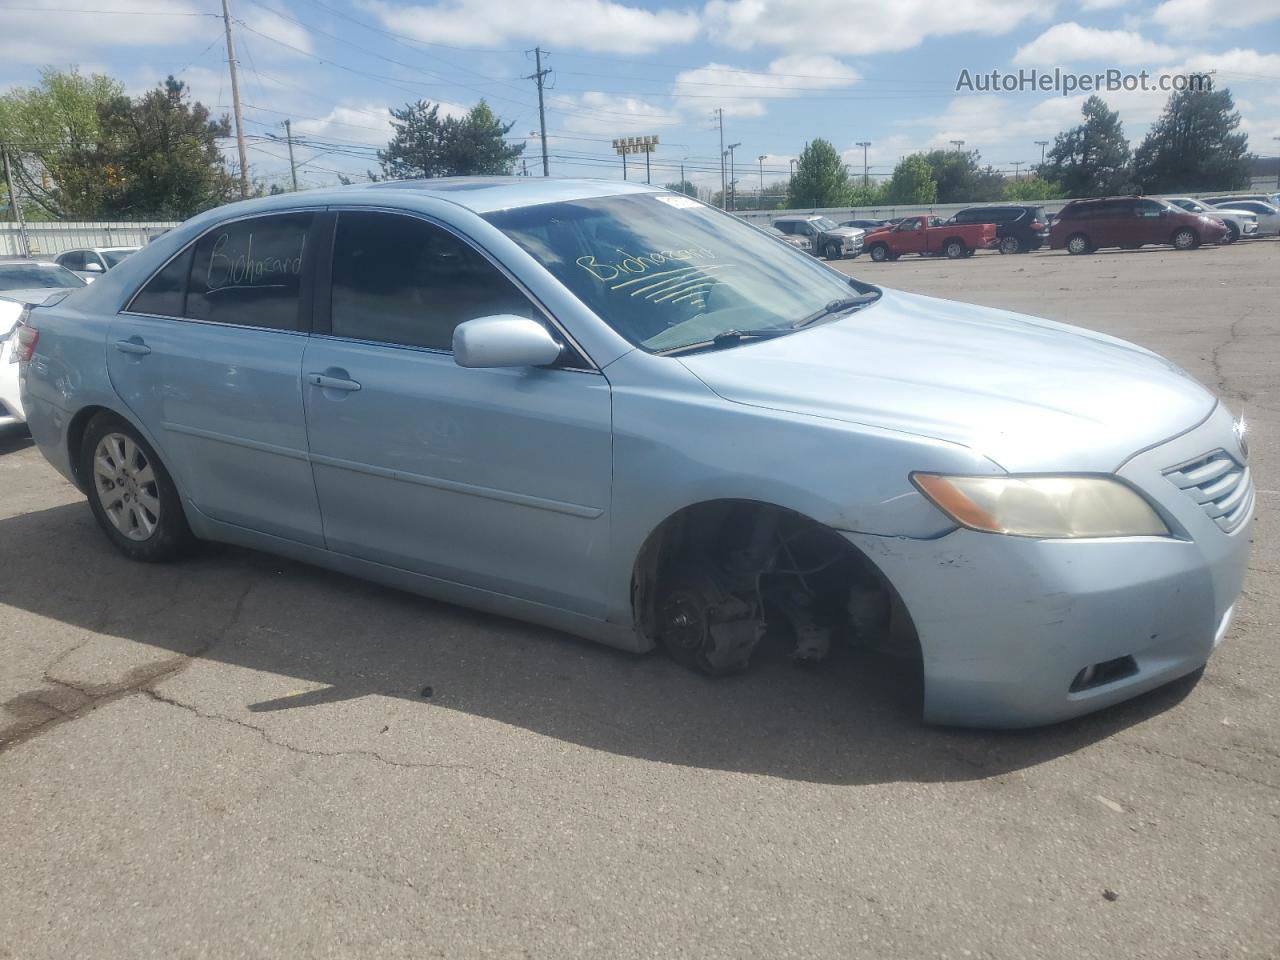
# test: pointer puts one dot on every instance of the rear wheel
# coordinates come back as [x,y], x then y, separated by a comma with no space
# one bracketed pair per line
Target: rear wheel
[1078,243]
[1010,245]
[1186,239]
[954,249]
[131,493]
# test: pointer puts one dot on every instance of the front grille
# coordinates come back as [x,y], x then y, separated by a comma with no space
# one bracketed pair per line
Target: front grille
[1220,484]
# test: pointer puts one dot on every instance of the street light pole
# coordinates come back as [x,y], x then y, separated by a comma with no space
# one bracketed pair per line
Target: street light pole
[1277,168]
[732,181]
[956,143]
[866,179]
[761,159]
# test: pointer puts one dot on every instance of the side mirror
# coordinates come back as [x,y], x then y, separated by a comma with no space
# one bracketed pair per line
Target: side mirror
[93,267]
[503,341]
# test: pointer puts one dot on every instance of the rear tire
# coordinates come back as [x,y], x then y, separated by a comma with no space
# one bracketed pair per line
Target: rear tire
[954,249]
[1078,244]
[131,494]
[1185,239]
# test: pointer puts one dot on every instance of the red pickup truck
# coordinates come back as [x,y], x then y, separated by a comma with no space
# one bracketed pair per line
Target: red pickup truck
[929,236]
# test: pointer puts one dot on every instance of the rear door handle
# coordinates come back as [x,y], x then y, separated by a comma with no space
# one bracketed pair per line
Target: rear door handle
[133,345]
[331,383]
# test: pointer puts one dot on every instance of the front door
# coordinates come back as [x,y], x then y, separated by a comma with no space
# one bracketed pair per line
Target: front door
[495,478]
[909,236]
[208,356]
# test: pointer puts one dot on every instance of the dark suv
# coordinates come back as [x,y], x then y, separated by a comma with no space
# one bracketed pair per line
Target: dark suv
[1019,228]
[1129,222]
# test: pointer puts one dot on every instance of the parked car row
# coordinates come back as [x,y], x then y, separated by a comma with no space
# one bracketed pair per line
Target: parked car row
[1082,226]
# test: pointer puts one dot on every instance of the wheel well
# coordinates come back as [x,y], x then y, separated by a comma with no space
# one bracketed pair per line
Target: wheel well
[75,434]
[959,240]
[752,549]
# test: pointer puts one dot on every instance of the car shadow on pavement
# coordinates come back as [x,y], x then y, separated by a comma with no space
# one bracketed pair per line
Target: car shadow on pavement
[14,438]
[852,720]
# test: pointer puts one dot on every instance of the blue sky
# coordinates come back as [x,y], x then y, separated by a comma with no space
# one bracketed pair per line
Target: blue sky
[783,71]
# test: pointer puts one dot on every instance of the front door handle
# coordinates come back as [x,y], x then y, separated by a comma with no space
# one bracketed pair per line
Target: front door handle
[133,345]
[332,383]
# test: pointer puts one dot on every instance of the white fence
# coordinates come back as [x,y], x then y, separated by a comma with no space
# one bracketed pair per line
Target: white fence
[50,239]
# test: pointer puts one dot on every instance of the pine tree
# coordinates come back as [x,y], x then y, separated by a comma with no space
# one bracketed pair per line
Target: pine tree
[1092,159]
[1194,146]
[428,145]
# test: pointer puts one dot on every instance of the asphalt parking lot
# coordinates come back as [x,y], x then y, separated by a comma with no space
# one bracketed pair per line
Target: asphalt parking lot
[235,757]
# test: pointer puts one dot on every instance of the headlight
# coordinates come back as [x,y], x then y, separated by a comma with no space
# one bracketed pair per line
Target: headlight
[1043,506]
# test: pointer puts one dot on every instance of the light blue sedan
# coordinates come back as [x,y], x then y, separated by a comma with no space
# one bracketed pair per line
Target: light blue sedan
[619,412]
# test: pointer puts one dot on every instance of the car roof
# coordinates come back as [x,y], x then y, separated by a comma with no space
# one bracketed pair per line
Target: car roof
[26,262]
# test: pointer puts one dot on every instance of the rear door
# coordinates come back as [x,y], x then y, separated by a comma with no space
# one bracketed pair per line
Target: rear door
[208,356]
[496,478]
[1151,221]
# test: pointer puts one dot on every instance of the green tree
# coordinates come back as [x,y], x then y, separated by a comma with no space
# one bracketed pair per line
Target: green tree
[821,179]
[156,156]
[427,145]
[47,125]
[682,186]
[868,194]
[1092,159]
[1033,187]
[912,181]
[1195,145]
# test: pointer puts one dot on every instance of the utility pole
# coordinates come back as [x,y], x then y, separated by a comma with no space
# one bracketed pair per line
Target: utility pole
[624,166]
[732,181]
[235,102]
[682,176]
[293,169]
[866,178]
[646,166]
[538,76]
[1277,169]
[724,188]
[15,204]
[1016,165]
[760,205]
[1042,144]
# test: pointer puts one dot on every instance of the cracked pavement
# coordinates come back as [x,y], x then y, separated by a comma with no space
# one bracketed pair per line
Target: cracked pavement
[233,756]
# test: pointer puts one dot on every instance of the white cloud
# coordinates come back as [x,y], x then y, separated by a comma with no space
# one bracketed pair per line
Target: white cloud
[264,20]
[1195,16]
[608,115]
[742,93]
[839,27]
[1070,42]
[47,36]
[601,25]
[1102,4]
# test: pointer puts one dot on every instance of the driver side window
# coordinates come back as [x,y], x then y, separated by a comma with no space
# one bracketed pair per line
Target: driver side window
[404,281]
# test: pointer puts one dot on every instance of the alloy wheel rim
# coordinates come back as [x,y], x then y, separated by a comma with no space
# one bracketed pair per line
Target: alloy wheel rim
[125,482]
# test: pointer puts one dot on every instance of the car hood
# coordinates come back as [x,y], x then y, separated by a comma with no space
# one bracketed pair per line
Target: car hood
[844,232]
[1030,394]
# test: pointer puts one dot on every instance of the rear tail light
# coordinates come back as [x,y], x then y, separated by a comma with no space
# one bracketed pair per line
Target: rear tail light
[1038,224]
[26,337]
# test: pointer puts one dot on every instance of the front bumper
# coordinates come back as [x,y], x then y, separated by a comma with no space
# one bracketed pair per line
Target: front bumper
[1007,624]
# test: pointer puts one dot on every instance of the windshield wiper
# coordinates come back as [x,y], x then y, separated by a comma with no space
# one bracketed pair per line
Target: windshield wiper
[724,338]
[837,306]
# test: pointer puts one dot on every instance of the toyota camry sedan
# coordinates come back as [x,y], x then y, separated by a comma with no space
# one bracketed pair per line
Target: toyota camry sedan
[619,412]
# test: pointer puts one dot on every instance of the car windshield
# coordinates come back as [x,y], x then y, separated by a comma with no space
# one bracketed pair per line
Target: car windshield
[34,276]
[113,257]
[667,272]
[824,223]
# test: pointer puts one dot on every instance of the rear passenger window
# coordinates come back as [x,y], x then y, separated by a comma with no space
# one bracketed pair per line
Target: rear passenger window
[249,272]
[164,293]
[402,280]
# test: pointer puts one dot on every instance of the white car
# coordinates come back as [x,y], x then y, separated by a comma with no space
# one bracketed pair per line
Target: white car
[23,282]
[1240,223]
[1268,214]
[89,263]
